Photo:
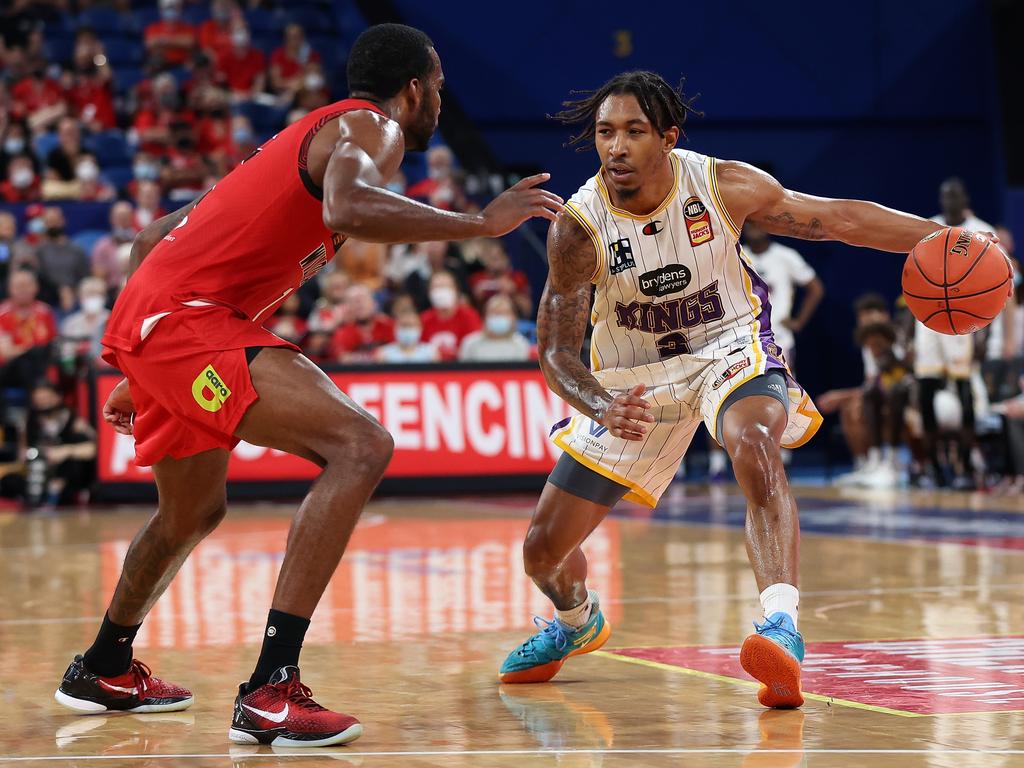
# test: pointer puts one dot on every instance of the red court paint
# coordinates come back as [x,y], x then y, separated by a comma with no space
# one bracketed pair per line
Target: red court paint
[922,677]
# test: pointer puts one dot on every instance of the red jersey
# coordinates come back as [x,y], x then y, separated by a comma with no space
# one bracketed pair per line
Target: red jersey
[353,337]
[32,327]
[447,333]
[250,241]
[241,71]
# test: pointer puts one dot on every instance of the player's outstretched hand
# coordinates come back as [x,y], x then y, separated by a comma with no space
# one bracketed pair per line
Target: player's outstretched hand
[119,410]
[520,202]
[624,416]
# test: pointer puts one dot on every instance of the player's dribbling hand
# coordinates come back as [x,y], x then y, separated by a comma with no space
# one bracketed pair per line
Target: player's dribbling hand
[626,411]
[520,202]
[119,409]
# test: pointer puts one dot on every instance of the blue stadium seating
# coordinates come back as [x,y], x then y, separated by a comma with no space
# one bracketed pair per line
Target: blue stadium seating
[43,144]
[262,21]
[124,51]
[109,21]
[87,238]
[118,175]
[110,148]
[126,78]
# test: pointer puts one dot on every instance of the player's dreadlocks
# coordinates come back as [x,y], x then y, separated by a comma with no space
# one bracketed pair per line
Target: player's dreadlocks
[664,105]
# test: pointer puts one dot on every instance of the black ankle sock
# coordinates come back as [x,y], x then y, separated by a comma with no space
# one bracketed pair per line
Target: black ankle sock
[282,642]
[111,653]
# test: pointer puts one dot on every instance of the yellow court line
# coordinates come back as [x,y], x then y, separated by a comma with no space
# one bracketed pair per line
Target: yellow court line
[750,683]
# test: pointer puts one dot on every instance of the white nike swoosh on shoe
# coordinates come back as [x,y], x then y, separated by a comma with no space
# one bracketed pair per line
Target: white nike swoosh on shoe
[111,687]
[274,717]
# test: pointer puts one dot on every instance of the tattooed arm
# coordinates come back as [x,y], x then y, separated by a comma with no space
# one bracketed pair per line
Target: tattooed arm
[749,193]
[157,230]
[561,324]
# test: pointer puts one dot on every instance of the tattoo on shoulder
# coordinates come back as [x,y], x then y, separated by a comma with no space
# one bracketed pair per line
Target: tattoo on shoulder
[571,253]
[785,223]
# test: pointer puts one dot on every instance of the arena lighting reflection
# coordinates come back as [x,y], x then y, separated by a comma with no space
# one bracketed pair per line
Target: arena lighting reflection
[399,580]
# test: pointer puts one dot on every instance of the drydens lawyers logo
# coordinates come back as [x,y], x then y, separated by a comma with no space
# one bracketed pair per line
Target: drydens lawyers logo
[209,391]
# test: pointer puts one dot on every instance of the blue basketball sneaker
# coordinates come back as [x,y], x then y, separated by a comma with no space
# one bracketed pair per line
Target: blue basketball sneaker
[773,656]
[539,658]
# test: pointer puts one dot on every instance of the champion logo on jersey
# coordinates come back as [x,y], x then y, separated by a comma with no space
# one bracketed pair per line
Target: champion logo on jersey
[698,222]
[621,256]
[652,228]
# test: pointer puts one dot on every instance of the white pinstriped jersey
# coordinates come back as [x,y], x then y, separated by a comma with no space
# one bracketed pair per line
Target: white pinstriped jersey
[672,282]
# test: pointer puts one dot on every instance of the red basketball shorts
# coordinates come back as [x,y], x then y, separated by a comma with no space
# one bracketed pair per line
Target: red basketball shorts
[189,380]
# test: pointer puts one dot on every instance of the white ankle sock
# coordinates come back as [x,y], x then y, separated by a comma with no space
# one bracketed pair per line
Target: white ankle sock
[781,597]
[575,617]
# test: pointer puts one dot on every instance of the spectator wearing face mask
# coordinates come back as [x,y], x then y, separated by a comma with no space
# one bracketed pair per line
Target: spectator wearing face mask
[15,144]
[82,331]
[107,254]
[215,32]
[27,329]
[92,187]
[365,330]
[148,207]
[62,264]
[288,62]
[243,67]
[21,184]
[499,340]
[60,450]
[313,92]
[170,40]
[449,320]
[407,346]
[242,139]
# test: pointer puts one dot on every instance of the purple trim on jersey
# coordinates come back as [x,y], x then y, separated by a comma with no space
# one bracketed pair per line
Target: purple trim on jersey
[761,291]
[560,425]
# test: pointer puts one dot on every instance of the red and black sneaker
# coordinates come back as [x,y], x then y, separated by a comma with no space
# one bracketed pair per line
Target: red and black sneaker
[282,714]
[134,691]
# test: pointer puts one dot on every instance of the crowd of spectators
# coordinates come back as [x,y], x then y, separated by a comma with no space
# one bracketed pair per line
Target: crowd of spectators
[936,421]
[140,107]
[148,105]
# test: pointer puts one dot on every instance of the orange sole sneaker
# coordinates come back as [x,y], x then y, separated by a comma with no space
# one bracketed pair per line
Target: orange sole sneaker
[776,670]
[545,672]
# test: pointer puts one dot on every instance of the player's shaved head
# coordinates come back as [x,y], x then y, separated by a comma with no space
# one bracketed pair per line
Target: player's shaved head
[393,61]
[386,57]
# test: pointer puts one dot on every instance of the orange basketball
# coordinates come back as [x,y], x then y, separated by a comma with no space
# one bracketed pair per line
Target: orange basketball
[956,281]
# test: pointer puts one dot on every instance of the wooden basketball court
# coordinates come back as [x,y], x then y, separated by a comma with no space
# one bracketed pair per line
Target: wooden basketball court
[911,608]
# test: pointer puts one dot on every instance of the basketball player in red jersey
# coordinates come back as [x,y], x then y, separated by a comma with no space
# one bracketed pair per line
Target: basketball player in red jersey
[202,373]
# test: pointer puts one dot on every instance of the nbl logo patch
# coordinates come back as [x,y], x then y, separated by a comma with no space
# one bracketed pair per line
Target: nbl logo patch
[698,222]
[621,256]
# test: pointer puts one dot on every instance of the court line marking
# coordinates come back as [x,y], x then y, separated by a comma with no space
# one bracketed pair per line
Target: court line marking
[315,753]
[813,696]
[869,591]
[749,683]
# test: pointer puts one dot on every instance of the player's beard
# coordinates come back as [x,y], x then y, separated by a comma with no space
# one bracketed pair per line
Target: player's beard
[421,130]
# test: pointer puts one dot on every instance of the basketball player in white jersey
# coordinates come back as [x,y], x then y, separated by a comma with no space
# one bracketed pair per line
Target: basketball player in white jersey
[682,336]
[939,357]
